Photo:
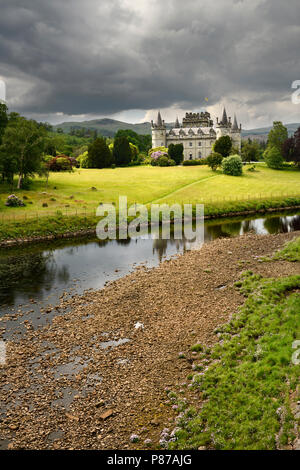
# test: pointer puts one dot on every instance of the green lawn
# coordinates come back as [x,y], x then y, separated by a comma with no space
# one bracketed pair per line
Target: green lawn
[72,191]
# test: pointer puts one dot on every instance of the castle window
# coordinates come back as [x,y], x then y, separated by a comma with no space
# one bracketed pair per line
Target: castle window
[199,143]
[191,156]
[191,144]
[199,154]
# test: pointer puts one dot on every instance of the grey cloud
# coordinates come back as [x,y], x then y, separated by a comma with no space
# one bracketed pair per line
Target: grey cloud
[102,57]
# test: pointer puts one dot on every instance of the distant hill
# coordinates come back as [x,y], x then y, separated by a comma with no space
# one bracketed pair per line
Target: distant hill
[262,132]
[109,127]
[106,127]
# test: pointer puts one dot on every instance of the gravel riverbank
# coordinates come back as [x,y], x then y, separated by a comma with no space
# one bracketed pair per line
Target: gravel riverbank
[98,372]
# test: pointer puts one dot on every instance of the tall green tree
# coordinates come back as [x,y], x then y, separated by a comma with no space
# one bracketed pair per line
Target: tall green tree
[99,155]
[251,151]
[143,142]
[223,146]
[122,152]
[214,160]
[3,120]
[291,148]
[273,157]
[22,146]
[277,135]
[175,151]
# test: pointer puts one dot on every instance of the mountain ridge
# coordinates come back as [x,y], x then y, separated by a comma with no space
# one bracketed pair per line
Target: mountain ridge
[108,127]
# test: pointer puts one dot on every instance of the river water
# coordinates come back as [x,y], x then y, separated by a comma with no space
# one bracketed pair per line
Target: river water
[34,277]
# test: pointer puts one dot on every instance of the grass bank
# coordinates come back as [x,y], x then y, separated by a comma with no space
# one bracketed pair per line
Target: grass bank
[69,225]
[245,381]
[68,203]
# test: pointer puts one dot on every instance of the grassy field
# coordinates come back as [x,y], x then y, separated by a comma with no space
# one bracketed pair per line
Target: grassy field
[71,194]
[246,390]
[146,184]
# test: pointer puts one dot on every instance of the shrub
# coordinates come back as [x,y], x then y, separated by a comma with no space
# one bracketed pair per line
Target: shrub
[200,161]
[163,161]
[232,165]
[14,201]
[214,160]
[273,158]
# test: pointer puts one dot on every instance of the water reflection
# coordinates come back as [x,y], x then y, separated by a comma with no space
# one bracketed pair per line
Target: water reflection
[43,273]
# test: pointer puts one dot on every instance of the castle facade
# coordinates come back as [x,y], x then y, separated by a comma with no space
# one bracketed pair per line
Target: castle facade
[197,133]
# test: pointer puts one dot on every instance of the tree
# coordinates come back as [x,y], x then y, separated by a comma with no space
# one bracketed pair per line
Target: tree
[3,120]
[277,135]
[232,165]
[214,160]
[175,152]
[143,142]
[122,151]
[99,155]
[23,145]
[251,151]
[291,148]
[223,145]
[273,158]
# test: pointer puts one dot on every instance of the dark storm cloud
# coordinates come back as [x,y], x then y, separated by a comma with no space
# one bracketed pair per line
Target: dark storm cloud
[101,57]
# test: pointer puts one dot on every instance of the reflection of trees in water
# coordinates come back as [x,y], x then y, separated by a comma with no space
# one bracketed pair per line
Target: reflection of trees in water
[222,230]
[29,272]
[282,224]
[160,246]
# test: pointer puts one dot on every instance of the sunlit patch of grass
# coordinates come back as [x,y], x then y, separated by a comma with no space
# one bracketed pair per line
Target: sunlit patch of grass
[247,386]
[290,252]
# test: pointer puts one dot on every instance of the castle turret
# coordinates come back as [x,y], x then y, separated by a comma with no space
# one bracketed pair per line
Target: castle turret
[236,134]
[223,126]
[158,132]
[177,125]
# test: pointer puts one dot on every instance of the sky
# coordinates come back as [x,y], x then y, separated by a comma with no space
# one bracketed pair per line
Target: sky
[76,60]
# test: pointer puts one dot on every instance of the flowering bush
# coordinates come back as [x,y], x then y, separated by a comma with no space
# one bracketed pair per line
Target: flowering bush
[161,158]
[14,201]
[62,163]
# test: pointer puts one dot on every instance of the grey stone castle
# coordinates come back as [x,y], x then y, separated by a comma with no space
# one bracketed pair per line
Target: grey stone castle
[197,133]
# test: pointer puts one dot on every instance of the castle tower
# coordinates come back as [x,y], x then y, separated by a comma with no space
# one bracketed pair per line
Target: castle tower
[236,135]
[177,125]
[158,132]
[223,126]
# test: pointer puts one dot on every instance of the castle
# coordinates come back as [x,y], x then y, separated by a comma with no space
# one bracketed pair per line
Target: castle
[197,133]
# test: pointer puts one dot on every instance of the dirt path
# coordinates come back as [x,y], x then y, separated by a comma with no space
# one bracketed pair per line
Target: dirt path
[65,386]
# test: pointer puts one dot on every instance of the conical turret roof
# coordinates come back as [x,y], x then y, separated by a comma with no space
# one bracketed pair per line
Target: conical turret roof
[235,125]
[177,125]
[224,120]
[159,120]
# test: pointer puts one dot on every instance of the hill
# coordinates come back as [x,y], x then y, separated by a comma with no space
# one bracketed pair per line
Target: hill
[109,127]
[262,132]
